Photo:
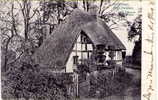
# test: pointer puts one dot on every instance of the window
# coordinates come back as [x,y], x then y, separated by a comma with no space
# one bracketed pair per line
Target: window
[85,39]
[89,47]
[75,59]
[85,55]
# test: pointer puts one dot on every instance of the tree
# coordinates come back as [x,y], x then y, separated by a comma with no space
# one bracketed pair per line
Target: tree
[135,29]
[53,9]
[26,8]
[16,27]
[9,32]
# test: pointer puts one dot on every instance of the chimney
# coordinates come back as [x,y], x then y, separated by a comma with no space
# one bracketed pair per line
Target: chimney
[93,10]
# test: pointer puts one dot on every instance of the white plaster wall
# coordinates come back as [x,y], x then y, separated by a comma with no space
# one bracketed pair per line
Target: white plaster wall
[70,65]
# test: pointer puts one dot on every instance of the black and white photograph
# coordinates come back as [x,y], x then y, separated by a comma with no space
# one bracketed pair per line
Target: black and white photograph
[71,49]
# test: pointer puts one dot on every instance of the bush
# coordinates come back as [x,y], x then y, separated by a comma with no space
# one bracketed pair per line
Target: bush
[107,84]
[28,81]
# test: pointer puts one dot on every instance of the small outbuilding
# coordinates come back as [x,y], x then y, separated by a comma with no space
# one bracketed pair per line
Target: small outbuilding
[82,39]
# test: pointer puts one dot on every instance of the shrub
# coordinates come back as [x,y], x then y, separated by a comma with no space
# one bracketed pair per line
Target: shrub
[28,81]
[107,84]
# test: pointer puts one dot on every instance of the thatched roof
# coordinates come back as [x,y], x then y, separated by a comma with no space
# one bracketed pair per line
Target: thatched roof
[55,50]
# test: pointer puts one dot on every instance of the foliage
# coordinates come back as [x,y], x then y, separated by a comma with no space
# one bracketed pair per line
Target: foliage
[28,81]
[108,84]
[112,54]
[136,28]
[54,9]
[136,55]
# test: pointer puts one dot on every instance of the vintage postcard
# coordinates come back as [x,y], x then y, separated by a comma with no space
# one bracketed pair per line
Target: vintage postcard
[77,49]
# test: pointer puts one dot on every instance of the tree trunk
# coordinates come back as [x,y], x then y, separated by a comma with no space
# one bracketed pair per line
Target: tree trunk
[6,55]
[100,7]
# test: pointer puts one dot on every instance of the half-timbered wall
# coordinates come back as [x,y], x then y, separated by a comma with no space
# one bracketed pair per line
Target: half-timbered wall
[81,52]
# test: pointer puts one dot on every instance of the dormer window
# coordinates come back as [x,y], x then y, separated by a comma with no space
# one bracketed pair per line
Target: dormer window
[100,49]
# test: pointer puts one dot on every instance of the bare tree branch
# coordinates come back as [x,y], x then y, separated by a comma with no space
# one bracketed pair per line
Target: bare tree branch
[101,4]
[13,61]
[34,12]
[114,28]
[110,5]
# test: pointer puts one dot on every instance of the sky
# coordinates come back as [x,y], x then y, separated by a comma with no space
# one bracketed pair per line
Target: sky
[122,33]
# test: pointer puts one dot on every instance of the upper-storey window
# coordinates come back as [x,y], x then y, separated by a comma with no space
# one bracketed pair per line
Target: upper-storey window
[85,39]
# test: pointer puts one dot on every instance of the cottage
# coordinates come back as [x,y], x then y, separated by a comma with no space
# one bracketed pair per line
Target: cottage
[82,39]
